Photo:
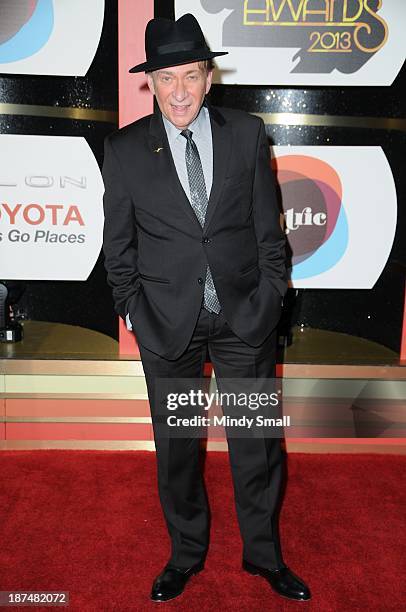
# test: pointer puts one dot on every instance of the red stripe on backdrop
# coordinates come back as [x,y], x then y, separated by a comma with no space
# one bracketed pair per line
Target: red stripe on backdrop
[2,416]
[40,407]
[403,344]
[79,431]
[365,441]
[135,100]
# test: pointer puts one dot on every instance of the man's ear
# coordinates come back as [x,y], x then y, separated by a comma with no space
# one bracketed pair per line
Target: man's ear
[209,80]
[150,82]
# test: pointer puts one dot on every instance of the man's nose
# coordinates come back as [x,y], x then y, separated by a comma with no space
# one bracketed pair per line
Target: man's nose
[180,92]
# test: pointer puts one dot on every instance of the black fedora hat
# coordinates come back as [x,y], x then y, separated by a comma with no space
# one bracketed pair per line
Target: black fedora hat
[171,43]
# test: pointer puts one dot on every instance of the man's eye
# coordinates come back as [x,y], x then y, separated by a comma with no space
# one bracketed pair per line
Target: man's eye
[166,79]
[192,77]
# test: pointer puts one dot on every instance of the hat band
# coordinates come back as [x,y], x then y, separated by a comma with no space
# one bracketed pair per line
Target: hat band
[187,45]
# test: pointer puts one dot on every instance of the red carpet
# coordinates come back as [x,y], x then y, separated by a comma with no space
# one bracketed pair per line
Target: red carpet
[90,523]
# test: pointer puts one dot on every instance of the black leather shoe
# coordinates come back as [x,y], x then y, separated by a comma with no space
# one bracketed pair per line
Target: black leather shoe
[171,582]
[283,581]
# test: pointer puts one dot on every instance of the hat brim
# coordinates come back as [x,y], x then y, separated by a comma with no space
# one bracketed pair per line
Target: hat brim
[176,59]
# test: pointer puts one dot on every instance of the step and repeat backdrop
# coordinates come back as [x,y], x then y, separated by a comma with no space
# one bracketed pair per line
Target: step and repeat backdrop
[326,76]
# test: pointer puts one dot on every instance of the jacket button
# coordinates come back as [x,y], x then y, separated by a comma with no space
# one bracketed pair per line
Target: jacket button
[206,240]
[200,280]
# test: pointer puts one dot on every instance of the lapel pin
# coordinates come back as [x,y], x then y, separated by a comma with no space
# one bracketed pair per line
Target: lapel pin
[158,149]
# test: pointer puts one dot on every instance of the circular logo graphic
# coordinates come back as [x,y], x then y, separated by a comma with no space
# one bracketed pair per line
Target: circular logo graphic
[314,216]
[25,27]
[340,211]
[49,37]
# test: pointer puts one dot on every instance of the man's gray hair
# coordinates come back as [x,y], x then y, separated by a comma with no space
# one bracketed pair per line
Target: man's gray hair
[207,65]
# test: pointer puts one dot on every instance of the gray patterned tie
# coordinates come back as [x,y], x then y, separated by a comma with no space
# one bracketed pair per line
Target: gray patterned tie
[199,201]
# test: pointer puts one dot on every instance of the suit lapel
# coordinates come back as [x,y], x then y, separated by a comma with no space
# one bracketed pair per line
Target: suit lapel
[166,169]
[221,135]
[165,166]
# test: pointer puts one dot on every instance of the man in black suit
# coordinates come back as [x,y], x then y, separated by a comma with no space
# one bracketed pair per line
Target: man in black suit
[195,256]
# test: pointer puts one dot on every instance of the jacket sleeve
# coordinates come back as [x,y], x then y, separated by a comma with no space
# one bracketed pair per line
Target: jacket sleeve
[270,236]
[119,233]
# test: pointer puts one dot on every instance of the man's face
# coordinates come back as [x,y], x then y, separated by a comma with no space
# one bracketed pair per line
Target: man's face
[180,91]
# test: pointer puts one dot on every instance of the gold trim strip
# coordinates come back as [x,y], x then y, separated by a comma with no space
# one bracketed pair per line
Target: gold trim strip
[76,396]
[77,419]
[72,367]
[213,445]
[365,372]
[59,112]
[337,447]
[376,123]
[88,114]
[134,368]
[149,445]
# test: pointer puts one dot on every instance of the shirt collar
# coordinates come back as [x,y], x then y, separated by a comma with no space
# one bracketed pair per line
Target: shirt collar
[196,126]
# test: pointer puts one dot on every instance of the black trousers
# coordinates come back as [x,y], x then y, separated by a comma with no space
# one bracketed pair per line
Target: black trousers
[256,463]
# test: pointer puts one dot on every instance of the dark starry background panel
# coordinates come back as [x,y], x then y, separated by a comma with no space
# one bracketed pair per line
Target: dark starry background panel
[373,314]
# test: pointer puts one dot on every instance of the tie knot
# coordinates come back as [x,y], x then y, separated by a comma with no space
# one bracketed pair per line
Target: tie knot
[187,134]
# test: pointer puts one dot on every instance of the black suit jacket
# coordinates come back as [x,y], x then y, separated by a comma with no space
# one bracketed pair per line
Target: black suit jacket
[156,252]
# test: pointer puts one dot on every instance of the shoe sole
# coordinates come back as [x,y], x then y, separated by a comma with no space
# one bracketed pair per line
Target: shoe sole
[254,572]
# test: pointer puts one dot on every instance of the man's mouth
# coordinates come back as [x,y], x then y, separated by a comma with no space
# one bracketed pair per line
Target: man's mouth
[180,108]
